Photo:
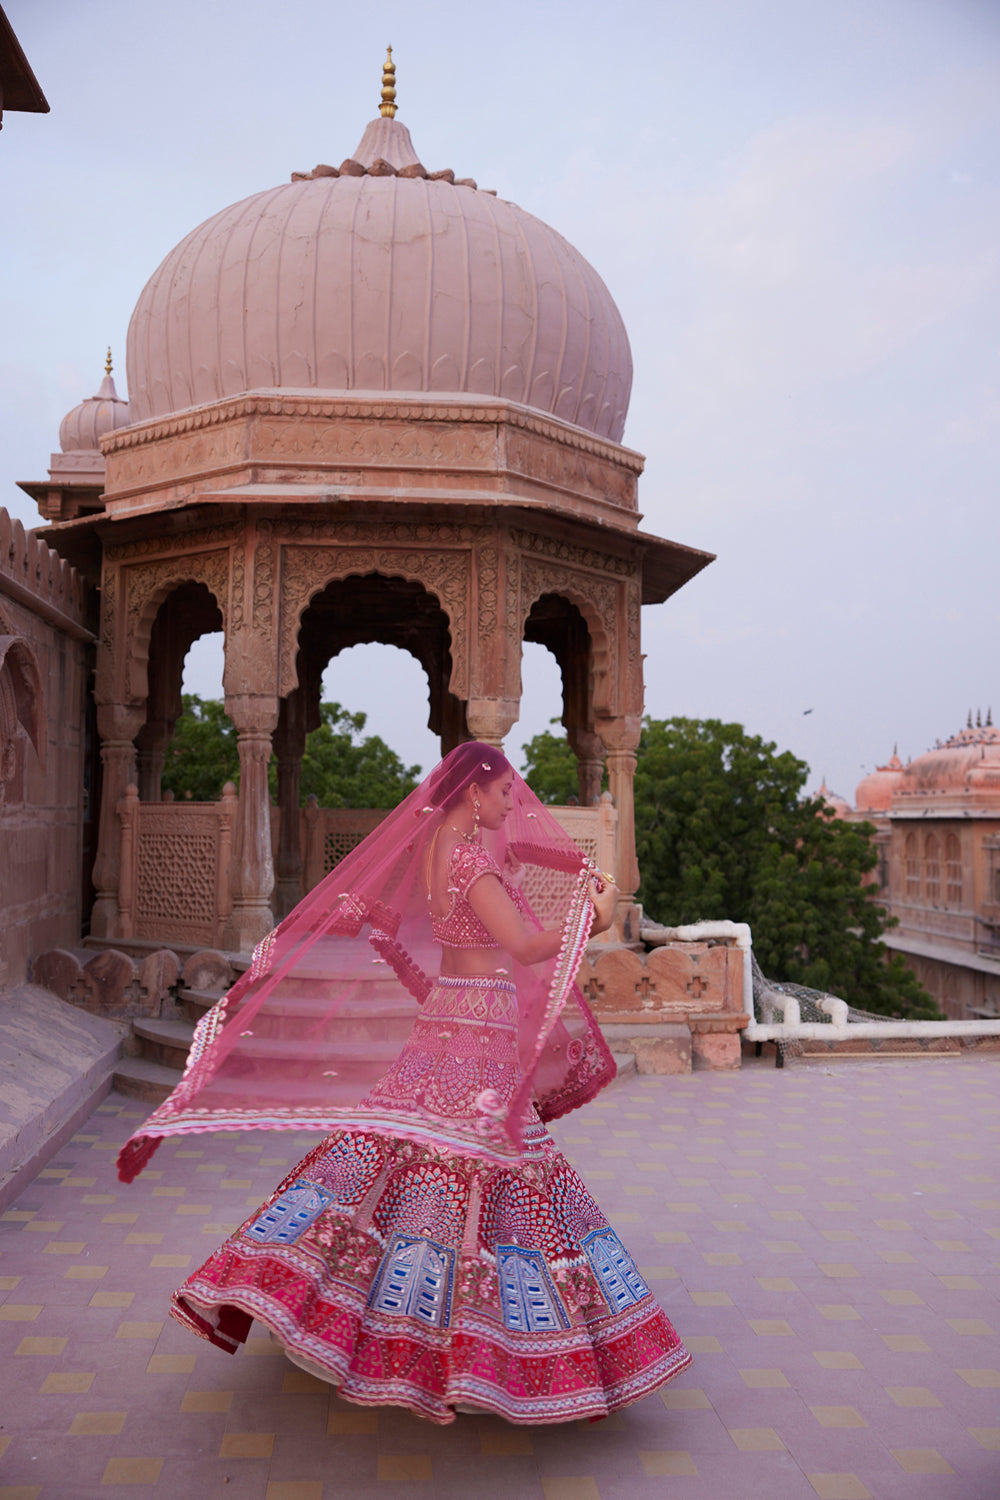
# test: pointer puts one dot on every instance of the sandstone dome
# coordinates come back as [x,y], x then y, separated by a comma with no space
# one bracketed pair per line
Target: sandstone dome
[964,768]
[874,791]
[838,805]
[82,428]
[379,276]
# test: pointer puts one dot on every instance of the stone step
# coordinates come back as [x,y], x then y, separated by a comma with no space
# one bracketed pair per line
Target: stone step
[663,1048]
[166,1042]
[625,1063]
[142,1079]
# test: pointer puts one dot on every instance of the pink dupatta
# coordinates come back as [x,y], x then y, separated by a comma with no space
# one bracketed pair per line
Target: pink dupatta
[329,997]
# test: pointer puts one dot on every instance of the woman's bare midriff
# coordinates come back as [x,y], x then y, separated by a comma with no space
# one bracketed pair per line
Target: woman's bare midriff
[475,963]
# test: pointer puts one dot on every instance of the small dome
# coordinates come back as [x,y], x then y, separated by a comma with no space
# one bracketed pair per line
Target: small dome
[82,428]
[378,276]
[838,805]
[874,791]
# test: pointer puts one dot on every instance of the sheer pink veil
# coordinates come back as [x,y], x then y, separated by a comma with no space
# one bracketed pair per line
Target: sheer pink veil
[331,994]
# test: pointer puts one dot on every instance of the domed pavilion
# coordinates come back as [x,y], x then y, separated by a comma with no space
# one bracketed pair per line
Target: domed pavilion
[76,473]
[375,404]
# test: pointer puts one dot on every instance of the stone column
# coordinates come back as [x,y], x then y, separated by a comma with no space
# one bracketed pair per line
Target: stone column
[255,718]
[289,745]
[589,753]
[620,738]
[117,726]
[491,719]
[151,745]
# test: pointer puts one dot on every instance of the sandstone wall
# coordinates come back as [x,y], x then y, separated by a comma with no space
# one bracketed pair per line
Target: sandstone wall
[45,649]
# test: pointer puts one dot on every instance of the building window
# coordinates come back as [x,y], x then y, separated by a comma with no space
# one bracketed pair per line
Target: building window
[912,868]
[953,870]
[932,870]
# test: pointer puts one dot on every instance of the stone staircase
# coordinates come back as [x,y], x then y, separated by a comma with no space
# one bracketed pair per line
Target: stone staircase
[159,1045]
[158,1048]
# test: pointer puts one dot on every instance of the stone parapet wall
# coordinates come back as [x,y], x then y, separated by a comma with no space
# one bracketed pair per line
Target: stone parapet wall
[677,1007]
[35,577]
[44,665]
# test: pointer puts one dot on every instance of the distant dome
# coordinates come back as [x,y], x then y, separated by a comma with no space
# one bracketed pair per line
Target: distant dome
[379,276]
[82,428]
[874,791]
[839,805]
[968,763]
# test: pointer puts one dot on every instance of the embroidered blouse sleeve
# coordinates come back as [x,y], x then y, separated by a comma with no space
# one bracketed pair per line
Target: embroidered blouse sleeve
[468,863]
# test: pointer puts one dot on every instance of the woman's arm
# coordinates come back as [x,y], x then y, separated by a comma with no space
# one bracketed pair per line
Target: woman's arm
[503,921]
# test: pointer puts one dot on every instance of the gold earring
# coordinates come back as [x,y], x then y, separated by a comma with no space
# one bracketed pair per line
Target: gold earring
[475,818]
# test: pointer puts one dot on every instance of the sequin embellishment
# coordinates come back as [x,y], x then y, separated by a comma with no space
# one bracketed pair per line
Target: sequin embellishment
[528,1298]
[297,1208]
[415,1280]
[615,1269]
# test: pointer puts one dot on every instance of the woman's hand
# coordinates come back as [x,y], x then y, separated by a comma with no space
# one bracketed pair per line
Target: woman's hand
[604,896]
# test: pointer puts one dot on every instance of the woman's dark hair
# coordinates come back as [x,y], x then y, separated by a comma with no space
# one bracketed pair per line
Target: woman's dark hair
[464,765]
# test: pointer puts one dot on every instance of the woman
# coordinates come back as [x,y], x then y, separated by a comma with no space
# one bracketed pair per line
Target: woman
[435,1250]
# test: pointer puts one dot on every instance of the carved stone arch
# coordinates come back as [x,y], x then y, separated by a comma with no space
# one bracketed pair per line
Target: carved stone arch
[22,701]
[597,601]
[307,571]
[146,587]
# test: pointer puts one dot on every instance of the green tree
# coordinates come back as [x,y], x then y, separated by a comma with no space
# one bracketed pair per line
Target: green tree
[722,831]
[343,769]
[202,755]
[551,768]
[341,765]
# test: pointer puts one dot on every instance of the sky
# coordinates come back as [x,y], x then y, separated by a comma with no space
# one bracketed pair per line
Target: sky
[796,206]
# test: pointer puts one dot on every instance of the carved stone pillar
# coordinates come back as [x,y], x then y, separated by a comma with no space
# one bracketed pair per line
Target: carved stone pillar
[255,718]
[151,746]
[589,753]
[289,745]
[620,738]
[117,726]
[491,719]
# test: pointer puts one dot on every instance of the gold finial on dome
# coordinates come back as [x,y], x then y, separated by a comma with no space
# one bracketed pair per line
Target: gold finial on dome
[107,362]
[388,106]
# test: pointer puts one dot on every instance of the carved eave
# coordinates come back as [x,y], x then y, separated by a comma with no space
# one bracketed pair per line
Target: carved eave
[65,500]
[667,566]
[444,449]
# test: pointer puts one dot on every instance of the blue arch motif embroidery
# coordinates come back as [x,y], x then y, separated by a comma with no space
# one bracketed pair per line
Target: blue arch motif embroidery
[297,1208]
[415,1280]
[528,1298]
[615,1269]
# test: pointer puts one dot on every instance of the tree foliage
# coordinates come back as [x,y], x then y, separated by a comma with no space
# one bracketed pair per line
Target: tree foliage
[344,769]
[722,830]
[342,766]
[551,768]
[202,755]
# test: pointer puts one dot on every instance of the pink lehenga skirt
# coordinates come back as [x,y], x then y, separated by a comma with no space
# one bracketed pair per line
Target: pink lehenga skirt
[405,1270]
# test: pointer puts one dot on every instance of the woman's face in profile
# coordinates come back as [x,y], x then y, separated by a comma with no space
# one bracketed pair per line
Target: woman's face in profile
[496,801]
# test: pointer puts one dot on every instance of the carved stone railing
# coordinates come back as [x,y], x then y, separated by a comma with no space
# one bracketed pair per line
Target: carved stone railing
[328,833]
[176,860]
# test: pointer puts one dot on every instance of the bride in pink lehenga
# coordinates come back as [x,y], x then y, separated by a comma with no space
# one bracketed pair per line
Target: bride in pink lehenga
[436,1250]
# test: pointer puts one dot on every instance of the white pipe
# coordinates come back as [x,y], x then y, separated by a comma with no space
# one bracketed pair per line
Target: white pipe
[821,1031]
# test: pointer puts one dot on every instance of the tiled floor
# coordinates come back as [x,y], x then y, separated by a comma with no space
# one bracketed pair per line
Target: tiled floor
[827,1241]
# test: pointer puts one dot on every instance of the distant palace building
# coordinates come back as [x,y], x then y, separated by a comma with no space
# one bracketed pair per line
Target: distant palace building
[937,826]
